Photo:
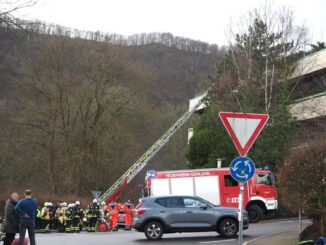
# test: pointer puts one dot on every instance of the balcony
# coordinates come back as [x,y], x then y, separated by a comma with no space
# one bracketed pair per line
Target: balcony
[309,107]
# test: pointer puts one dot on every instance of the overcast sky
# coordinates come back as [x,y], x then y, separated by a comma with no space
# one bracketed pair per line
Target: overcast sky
[204,20]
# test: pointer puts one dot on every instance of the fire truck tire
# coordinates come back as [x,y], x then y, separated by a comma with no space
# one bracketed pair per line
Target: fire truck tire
[154,230]
[255,213]
[228,228]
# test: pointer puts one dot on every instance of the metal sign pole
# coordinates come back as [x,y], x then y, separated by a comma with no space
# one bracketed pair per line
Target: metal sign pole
[243,129]
[242,169]
[240,215]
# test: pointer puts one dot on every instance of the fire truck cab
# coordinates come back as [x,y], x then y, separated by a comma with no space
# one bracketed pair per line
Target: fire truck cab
[218,187]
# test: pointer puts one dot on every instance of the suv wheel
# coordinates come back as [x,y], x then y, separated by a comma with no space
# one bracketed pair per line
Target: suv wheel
[228,228]
[154,230]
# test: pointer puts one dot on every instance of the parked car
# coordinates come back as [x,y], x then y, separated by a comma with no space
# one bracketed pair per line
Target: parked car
[168,214]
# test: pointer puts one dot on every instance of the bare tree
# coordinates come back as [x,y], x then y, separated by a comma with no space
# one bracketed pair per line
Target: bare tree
[272,35]
[8,9]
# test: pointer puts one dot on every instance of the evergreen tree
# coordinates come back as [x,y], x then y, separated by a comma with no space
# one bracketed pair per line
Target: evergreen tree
[251,79]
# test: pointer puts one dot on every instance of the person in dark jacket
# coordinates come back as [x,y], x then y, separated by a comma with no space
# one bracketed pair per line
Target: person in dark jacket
[27,212]
[11,219]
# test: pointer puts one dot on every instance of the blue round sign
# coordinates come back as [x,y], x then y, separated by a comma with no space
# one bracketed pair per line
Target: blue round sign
[242,169]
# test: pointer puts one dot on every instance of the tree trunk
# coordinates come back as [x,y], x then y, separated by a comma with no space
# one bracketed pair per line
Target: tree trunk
[323,223]
[300,220]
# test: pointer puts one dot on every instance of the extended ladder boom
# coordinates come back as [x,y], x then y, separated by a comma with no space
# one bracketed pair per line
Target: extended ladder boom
[148,155]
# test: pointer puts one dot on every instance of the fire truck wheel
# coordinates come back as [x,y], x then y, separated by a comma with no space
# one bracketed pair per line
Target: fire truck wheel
[255,213]
[228,228]
[154,230]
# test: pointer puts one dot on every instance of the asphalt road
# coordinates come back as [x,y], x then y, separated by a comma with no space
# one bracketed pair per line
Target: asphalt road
[132,237]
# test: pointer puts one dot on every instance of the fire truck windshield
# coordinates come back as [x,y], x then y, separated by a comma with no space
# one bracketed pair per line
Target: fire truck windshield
[265,179]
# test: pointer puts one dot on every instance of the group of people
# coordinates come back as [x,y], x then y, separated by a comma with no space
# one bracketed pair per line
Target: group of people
[71,217]
[61,216]
[25,214]
[111,213]
[104,217]
[19,217]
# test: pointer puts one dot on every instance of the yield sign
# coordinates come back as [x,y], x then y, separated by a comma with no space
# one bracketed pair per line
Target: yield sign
[243,128]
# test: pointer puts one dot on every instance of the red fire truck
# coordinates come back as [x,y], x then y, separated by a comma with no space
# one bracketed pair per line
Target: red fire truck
[218,187]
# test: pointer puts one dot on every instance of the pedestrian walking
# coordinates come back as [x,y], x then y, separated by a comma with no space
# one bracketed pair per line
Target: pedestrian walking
[11,219]
[27,212]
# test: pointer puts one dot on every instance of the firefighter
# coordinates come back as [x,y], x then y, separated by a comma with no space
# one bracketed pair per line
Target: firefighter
[114,212]
[55,220]
[106,210]
[93,215]
[102,205]
[45,216]
[68,218]
[77,215]
[52,209]
[107,216]
[63,220]
[38,220]
[127,208]
[59,216]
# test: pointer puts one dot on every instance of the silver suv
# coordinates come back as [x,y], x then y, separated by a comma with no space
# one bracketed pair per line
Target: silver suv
[168,214]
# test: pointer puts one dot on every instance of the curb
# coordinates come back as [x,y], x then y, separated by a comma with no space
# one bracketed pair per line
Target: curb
[279,220]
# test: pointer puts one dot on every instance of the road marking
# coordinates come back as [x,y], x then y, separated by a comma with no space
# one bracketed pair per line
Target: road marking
[218,241]
[247,242]
[307,222]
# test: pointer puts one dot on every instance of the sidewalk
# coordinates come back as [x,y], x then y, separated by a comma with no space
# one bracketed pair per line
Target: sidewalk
[284,238]
[290,237]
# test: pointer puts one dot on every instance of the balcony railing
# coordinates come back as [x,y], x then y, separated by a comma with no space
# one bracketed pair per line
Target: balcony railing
[309,107]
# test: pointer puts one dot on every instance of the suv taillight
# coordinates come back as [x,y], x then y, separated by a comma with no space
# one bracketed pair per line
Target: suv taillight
[138,209]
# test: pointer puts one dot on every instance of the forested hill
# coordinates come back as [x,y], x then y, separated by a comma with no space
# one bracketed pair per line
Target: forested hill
[179,74]
[77,109]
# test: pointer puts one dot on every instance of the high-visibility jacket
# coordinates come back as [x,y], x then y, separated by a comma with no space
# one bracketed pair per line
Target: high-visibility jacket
[107,212]
[68,214]
[38,213]
[93,211]
[114,212]
[64,211]
[79,212]
[45,213]
[59,212]
[127,209]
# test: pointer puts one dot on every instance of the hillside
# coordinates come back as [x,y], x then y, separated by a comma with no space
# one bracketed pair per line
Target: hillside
[76,113]
[179,74]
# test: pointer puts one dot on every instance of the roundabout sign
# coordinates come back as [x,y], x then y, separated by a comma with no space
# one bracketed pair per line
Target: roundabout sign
[242,169]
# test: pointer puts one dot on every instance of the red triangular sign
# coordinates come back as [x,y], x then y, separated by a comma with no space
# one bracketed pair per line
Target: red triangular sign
[243,128]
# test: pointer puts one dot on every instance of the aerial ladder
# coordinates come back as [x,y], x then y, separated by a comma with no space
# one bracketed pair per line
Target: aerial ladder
[113,192]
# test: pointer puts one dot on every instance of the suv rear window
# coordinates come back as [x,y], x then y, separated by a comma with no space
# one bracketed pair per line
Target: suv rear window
[192,202]
[169,202]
